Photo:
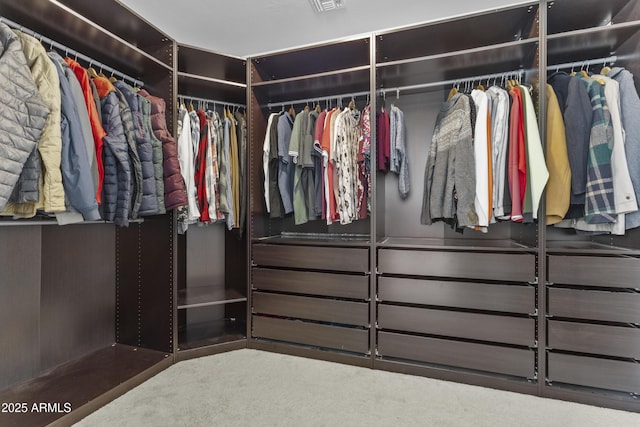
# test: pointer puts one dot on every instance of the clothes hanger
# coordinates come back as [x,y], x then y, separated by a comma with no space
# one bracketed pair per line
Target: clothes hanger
[584,73]
[605,69]
[91,71]
[452,92]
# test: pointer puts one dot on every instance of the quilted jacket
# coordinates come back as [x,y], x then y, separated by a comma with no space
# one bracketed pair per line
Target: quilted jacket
[175,194]
[134,159]
[116,196]
[157,153]
[49,193]
[149,201]
[24,113]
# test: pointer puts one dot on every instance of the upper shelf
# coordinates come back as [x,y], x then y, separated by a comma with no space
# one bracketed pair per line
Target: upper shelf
[591,29]
[129,44]
[458,34]
[564,16]
[330,83]
[192,60]
[505,57]
[600,42]
[210,88]
[312,60]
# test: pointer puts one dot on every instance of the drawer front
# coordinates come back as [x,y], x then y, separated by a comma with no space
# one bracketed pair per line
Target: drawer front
[597,339]
[312,283]
[312,257]
[595,305]
[320,309]
[490,358]
[594,271]
[501,329]
[312,334]
[488,266]
[594,372]
[480,296]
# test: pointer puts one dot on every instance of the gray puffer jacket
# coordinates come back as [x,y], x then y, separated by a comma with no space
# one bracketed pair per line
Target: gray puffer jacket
[116,189]
[23,113]
[134,160]
[149,202]
[157,153]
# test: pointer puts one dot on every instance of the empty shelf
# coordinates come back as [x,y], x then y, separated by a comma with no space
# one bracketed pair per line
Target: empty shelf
[202,296]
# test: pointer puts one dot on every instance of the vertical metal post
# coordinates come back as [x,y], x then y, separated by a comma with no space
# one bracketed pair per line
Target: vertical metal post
[173,220]
[249,220]
[542,218]
[373,256]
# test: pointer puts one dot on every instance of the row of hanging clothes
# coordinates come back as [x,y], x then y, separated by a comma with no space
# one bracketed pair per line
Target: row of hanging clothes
[212,151]
[594,144]
[76,144]
[317,164]
[485,163]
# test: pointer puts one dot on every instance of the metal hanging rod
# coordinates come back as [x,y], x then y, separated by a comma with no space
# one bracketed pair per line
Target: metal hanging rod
[71,52]
[317,99]
[587,63]
[397,90]
[211,101]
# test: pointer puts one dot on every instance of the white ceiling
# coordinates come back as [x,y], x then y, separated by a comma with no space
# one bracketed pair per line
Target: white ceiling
[248,28]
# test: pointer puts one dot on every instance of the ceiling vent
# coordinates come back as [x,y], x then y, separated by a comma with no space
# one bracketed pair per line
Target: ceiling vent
[320,6]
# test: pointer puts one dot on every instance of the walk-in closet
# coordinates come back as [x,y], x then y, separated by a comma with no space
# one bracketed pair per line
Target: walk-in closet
[335,222]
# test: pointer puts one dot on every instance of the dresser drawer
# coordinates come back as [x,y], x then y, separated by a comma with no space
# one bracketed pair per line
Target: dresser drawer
[485,327]
[312,283]
[595,305]
[320,309]
[597,339]
[482,357]
[488,266]
[311,334]
[312,257]
[595,271]
[480,296]
[594,372]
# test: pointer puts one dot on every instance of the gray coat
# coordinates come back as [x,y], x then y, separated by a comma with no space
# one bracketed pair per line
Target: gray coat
[149,201]
[23,110]
[157,153]
[134,160]
[116,198]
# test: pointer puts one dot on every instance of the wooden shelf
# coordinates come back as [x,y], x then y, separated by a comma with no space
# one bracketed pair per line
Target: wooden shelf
[86,384]
[586,247]
[310,239]
[212,333]
[502,245]
[201,296]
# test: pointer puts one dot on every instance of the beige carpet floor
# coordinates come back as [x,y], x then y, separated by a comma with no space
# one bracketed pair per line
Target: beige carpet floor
[255,388]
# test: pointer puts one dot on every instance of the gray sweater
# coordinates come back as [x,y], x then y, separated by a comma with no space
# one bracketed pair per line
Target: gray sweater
[450,171]
[630,108]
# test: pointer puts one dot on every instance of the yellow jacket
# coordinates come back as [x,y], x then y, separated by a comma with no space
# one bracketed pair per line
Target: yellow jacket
[559,184]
